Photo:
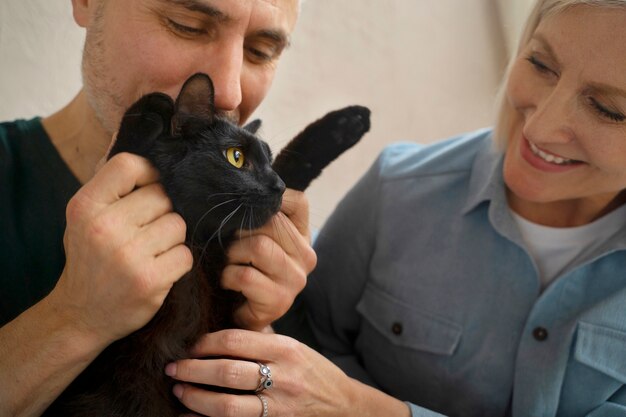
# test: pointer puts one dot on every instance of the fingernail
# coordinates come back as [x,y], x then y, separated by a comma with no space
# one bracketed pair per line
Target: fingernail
[170,369]
[178,390]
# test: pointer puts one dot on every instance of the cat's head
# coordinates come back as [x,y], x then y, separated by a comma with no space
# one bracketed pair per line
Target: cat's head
[217,174]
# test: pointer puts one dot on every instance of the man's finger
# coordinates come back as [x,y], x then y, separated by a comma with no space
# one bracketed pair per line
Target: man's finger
[144,205]
[118,177]
[296,207]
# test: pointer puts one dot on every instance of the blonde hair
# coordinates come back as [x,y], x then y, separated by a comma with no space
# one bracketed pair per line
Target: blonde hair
[541,10]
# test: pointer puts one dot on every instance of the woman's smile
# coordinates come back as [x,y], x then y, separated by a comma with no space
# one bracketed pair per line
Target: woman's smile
[544,160]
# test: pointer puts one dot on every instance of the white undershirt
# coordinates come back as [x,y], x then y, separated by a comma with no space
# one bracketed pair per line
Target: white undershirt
[553,248]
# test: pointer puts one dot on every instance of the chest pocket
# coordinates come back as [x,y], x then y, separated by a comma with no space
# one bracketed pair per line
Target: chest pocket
[596,372]
[408,326]
[603,349]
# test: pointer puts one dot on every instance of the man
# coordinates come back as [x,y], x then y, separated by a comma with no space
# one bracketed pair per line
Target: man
[123,245]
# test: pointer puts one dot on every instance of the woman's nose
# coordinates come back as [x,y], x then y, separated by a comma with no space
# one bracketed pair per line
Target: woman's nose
[551,119]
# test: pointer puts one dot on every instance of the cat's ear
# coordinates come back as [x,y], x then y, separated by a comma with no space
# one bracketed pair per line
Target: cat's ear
[196,99]
[146,120]
[253,126]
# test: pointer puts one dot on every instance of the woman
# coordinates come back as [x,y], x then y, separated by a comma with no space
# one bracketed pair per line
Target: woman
[464,279]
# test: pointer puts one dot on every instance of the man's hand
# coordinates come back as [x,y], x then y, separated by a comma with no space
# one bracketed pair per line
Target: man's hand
[270,265]
[124,249]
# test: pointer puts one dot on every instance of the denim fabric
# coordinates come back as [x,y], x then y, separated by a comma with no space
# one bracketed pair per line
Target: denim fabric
[424,289]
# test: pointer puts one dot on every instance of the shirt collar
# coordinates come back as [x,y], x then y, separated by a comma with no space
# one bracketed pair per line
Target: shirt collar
[486,184]
[486,181]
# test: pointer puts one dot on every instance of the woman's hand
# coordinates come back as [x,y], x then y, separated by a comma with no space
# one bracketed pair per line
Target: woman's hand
[269,265]
[304,382]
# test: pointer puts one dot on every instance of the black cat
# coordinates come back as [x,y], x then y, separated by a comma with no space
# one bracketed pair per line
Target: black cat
[220,179]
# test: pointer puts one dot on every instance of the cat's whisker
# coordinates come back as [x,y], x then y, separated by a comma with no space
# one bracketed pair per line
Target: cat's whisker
[217,233]
[197,225]
[250,217]
[243,220]
[288,233]
[226,219]
[222,194]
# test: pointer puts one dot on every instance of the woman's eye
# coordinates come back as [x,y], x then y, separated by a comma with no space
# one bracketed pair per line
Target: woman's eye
[606,113]
[235,157]
[539,66]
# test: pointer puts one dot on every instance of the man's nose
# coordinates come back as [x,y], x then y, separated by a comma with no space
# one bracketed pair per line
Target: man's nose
[224,67]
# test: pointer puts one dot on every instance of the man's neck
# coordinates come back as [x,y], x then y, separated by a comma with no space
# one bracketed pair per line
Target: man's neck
[78,136]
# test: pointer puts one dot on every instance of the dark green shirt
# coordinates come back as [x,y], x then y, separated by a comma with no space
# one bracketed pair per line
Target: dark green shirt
[35,186]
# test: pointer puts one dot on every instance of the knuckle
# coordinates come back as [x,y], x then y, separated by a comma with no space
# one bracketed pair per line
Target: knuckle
[246,276]
[231,340]
[100,228]
[186,257]
[289,347]
[283,301]
[76,208]
[310,259]
[262,245]
[104,223]
[231,407]
[124,255]
[230,277]
[300,282]
[177,225]
[230,374]
[158,189]
[124,161]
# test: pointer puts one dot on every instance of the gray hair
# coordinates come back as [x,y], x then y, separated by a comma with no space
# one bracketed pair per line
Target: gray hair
[541,10]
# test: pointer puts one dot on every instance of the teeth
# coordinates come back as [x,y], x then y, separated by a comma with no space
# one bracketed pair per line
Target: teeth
[548,157]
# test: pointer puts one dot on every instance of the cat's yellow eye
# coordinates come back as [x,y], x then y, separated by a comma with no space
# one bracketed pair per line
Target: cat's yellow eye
[235,157]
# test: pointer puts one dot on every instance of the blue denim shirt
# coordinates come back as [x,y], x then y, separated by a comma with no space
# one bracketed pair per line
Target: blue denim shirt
[424,289]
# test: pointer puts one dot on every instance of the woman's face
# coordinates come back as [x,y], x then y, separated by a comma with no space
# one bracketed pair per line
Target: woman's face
[567,142]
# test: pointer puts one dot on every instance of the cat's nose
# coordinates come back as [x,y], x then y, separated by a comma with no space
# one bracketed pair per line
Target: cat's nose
[278,186]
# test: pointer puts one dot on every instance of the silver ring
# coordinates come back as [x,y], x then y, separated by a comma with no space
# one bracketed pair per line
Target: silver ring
[265,382]
[264,403]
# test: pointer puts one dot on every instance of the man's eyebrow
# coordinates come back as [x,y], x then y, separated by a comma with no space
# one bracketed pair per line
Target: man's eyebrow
[278,37]
[201,7]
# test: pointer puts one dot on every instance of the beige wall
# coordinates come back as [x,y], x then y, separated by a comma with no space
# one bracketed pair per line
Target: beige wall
[427,69]
[512,14]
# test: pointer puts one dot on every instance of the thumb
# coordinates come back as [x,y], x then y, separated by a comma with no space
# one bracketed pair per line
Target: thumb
[104,159]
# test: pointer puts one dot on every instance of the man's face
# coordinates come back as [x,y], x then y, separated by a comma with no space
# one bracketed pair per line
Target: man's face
[134,47]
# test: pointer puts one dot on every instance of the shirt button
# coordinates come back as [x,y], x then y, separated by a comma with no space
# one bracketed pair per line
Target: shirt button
[540,334]
[396,328]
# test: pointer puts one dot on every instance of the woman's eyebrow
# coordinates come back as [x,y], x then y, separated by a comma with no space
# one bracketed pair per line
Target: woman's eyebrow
[546,45]
[597,87]
[606,89]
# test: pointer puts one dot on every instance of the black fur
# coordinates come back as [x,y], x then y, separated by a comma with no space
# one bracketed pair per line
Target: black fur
[186,141]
